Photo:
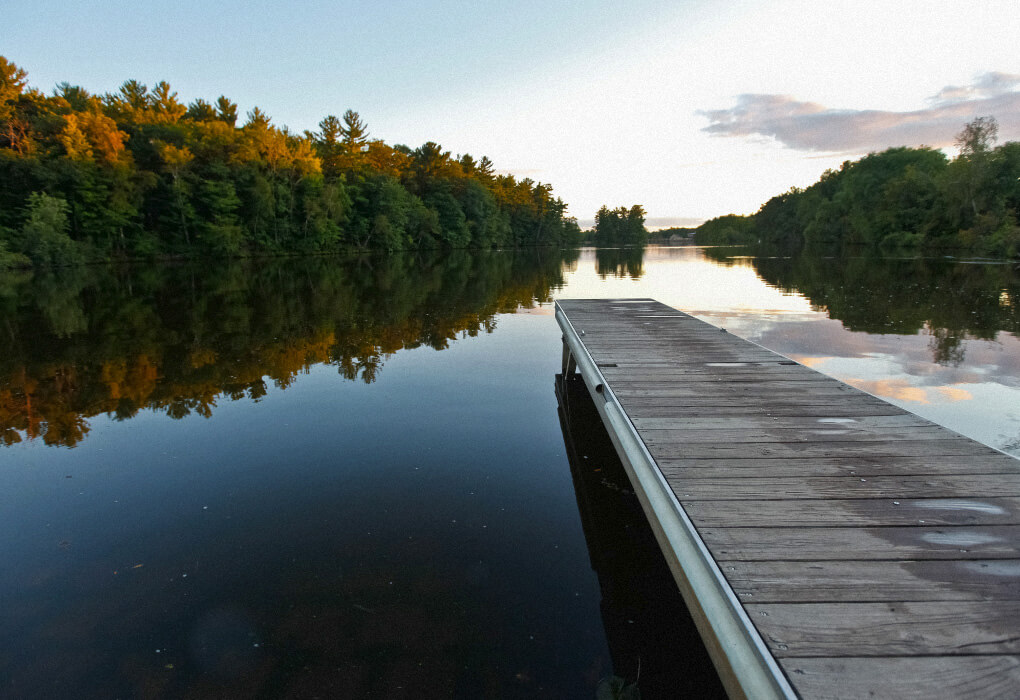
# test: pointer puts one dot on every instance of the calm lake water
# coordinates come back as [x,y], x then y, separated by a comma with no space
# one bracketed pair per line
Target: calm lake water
[313,477]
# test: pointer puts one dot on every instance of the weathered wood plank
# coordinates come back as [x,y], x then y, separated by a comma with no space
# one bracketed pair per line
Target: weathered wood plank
[676,344]
[778,450]
[863,512]
[699,364]
[719,386]
[859,466]
[680,345]
[909,678]
[763,434]
[699,367]
[863,543]
[655,329]
[874,581]
[862,424]
[678,341]
[665,375]
[831,391]
[889,629]
[816,406]
[704,371]
[685,408]
[741,391]
[730,360]
[681,351]
[835,487]
[616,357]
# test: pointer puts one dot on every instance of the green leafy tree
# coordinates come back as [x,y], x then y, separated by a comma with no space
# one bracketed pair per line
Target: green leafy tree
[972,170]
[13,81]
[726,230]
[454,231]
[44,236]
[216,208]
[14,129]
[176,161]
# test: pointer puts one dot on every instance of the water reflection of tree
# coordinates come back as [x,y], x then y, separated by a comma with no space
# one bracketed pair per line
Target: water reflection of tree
[946,348]
[620,262]
[947,299]
[178,339]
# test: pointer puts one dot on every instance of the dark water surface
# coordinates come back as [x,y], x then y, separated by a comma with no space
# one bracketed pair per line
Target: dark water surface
[321,478]
[304,478]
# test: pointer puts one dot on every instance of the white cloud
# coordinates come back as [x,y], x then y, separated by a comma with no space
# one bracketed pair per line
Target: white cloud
[809,126]
[987,86]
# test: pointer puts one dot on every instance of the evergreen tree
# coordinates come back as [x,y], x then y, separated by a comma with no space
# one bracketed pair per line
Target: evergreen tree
[354,131]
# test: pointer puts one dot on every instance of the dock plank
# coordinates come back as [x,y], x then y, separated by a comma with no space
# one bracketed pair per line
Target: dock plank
[862,424]
[695,408]
[743,391]
[862,543]
[918,678]
[856,465]
[829,432]
[874,581]
[855,512]
[926,628]
[764,489]
[818,448]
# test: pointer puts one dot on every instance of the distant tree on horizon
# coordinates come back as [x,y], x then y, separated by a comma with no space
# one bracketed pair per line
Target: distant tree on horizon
[620,226]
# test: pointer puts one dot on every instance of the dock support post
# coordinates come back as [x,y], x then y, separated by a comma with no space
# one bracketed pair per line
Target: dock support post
[569,363]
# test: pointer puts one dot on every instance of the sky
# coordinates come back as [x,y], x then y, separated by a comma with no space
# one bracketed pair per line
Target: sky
[692,109]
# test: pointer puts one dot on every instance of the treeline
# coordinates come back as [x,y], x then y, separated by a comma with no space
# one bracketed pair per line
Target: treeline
[620,226]
[181,339]
[914,197]
[137,173]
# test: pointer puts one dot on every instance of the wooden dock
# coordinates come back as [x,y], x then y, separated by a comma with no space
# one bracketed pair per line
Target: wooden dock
[828,543]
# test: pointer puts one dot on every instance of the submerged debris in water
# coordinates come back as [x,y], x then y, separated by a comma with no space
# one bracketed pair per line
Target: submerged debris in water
[616,688]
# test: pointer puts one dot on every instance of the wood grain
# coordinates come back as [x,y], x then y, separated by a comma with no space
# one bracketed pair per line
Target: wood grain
[862,543]
[929,628]
[863,512]
[855,465]
[969,486]
[910,678]
[873,581]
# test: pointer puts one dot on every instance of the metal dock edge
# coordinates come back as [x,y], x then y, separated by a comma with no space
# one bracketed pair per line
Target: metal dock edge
[743,661]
